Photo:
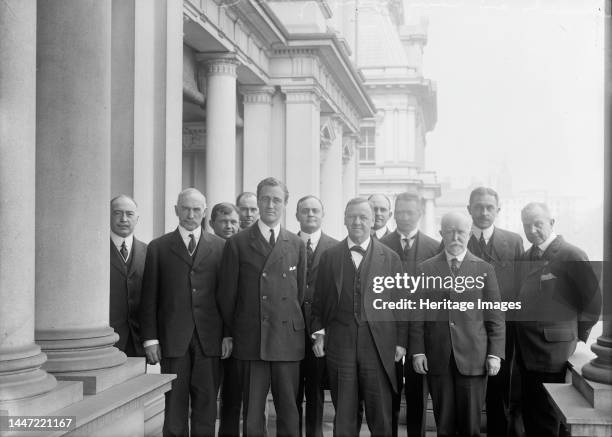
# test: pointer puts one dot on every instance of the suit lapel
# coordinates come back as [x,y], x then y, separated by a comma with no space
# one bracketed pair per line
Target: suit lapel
[256,241]
[279,249]
[339,266]
[178,247]
[375,264]
[500,245]
[203,249]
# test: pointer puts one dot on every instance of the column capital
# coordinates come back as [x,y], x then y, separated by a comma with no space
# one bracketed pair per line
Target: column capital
[348,148]
[302,94]
[218,64]
[256,94]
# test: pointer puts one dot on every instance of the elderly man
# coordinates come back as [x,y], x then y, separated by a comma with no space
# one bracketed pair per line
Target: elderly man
[361,352]
[247,209]
[127,258]
[381,205]
[562,301]
[413,247]
[263,276]
[503,250]
[181,325]
[312,369]
[458,349]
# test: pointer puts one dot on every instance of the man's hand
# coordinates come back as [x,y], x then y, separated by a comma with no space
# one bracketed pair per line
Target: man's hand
[226,347]
[318,345]
[399,353]
[153,353]
[493,364]
[419,364]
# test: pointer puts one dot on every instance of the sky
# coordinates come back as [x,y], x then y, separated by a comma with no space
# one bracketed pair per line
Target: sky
[520,84]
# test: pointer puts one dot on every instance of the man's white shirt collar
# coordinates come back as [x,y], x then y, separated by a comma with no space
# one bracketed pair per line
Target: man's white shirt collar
[411,234]
[265,230]
[487,233]
[459,257]
[197,233]
[546,243]
[363,245]
[118,240]
[381,232]
[314,237]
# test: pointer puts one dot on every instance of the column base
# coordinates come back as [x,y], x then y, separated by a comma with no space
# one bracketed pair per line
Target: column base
[600,368]
[65,393]
[20,373]
[80,350]
[586,406]
[96,381]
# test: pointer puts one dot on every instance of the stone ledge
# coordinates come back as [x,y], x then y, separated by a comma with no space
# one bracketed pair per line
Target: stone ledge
[64,394]
[96,381]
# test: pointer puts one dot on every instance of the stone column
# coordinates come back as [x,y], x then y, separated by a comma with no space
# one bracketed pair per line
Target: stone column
[257,131]
[430,217]
[411,134]
[600,369]
[73,185]
[20,357]
[349,169]
[302,151]
[331,177]
[221,130]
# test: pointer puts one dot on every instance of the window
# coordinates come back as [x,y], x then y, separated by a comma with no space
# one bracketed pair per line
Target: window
[367,149]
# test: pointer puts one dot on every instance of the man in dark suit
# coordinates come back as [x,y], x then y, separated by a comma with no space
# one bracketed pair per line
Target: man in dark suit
[224,219]
[247,209]
[503,250]
[457,349]
[312,369]
[181,325]
[413,247]
[361,352]
[381,205]
[260,294]
[561,302]
[127,258]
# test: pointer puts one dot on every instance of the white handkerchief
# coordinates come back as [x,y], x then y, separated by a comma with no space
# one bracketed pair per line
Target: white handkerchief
[547,277]
[292,268]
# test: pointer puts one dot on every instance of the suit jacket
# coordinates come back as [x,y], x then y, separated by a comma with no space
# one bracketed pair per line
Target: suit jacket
[125,288]
[561,302]
[471,335]
[505,256]
[325,242]
[261,293]
[426,247]
[178,294]
[387,333]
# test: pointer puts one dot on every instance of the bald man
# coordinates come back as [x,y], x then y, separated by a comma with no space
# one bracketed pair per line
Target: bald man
[127,258]
[181,325]
[458,349]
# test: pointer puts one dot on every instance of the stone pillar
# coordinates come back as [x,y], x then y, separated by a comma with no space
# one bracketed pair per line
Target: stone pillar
[302,151]
[349,169]
[411,134]
[331,177]
[221,130]
[257,133]
[600,369]
[20,357]
[73,185]
[430,217]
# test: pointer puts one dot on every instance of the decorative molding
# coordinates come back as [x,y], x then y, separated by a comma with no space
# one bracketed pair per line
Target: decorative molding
[302,95]
[257,94]
[194,137]
[348,148]
[221,67]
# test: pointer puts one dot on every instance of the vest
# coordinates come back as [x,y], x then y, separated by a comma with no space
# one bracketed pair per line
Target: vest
[350,305]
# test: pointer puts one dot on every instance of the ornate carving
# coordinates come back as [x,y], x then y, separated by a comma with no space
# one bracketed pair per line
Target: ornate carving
[302,96]
[194,137]
[348,149]
[260,94]
[221,67]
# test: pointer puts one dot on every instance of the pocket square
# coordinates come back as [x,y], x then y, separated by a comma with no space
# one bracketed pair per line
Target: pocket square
[547,277]
[292,268]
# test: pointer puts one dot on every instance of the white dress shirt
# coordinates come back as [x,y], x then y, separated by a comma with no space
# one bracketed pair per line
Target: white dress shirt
[486,233]
[197,233]
[357,257]
[265,230]
[381,232]
[314,238]
[411,236]
[118,241]
[546,243]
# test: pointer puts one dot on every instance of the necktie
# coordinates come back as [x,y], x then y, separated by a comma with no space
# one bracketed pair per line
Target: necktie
[455,266]
[123,251]
[360,250]
[272,240]
[309,254]
[483,243]
[536,253]
[192,244]
[407,246]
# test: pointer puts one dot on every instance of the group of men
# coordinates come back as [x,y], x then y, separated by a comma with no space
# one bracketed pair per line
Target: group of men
[255,308]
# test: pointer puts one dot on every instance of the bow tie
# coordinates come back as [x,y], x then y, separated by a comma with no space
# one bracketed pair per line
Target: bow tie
[360,250]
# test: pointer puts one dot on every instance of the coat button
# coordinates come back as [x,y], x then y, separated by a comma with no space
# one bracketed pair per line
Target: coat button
[264,274]
[284,275]
[451,323]
[264,297]
[193,290]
